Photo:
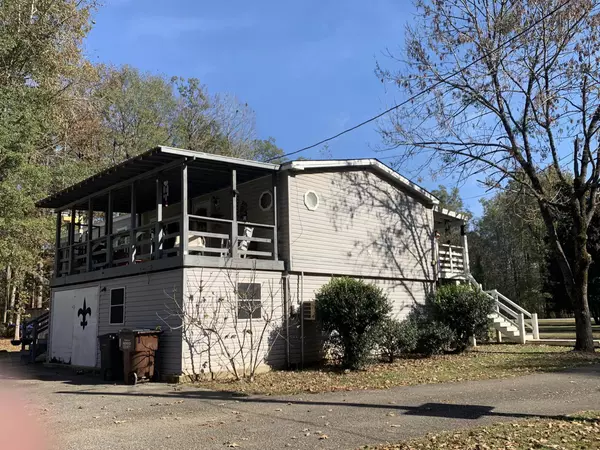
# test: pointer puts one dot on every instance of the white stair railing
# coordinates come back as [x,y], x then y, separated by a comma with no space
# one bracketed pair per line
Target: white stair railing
[511,312]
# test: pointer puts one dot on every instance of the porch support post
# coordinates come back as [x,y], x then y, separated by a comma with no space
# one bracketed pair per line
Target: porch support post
[108,231]
[465,245]
[275,244]
[185,221]
[90,232]
[72,242]
[234,219]
[133,225]
[158,230]
[57,257]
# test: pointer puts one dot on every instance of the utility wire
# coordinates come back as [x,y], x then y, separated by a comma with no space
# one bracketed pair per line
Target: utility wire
[427,89]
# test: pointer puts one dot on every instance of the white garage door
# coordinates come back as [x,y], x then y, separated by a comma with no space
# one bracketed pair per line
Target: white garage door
[75,326]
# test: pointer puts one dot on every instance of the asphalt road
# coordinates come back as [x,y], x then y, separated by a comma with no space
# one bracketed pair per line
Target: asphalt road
[76,412]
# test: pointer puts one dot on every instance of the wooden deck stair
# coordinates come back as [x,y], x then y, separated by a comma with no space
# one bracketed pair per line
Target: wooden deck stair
[507,329]
[511,321]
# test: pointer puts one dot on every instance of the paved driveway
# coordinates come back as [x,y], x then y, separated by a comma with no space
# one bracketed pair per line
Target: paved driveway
[79,413]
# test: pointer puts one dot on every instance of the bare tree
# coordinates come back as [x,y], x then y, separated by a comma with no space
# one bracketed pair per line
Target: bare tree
[223,326]
[510,93]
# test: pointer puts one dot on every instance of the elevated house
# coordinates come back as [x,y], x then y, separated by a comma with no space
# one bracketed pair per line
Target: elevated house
[171,236]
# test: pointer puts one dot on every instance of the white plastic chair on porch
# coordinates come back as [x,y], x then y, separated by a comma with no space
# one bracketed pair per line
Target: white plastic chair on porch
[245,243]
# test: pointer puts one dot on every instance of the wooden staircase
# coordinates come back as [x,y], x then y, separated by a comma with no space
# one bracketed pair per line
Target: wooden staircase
[511,321]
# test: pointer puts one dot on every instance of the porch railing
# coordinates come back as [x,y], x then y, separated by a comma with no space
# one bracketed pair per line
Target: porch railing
[207,236]
[451,260]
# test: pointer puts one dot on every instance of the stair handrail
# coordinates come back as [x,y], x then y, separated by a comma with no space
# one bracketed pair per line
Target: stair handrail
[500,300]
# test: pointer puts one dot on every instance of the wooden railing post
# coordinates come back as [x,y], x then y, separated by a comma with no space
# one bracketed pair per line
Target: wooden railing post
[133,225]
[90,220]
[497,304]
[184,228]
[275,244]
[158,229]
[535,325]
[465,249]
[72,243]
[109,230]
[58,251]
[521,323]
[451,259]
[234,217]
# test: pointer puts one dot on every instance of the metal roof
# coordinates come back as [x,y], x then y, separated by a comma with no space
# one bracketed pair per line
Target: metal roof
[153,161]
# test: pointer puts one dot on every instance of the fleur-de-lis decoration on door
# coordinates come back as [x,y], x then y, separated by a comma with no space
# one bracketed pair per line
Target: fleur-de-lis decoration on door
[85,311]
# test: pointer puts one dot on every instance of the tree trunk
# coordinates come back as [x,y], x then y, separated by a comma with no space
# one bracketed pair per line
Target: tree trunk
[7,294]
[575,275]
[579,296]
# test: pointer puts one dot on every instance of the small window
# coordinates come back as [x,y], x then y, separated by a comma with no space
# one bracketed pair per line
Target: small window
[249,301]
[117,306]
[266,201]
[311,200]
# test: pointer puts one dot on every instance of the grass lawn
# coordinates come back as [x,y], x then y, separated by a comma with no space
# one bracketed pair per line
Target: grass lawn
[581,431]
[484,362]
[562,329]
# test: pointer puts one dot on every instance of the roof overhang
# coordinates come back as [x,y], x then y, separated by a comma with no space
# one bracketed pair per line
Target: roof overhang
[144,165]
[450,215]
[373,164]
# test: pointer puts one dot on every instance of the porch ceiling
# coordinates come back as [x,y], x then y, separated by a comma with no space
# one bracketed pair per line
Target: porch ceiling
[208,172]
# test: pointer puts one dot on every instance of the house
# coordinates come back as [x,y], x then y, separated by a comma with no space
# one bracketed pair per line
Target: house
[230,277]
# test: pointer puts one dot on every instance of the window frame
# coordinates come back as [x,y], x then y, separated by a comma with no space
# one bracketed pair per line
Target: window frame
[268,208]
[247,314]
[318,200]
[110,306]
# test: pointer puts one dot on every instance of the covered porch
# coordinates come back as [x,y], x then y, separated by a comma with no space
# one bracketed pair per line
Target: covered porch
[450,245]
[130,218]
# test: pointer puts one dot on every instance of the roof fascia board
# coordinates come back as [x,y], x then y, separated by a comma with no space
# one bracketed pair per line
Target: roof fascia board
[357,163]
[218,158]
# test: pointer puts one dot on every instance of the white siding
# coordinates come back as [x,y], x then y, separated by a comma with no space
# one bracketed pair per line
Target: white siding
[211,298]
[363,226]
[148,298]
[402,294]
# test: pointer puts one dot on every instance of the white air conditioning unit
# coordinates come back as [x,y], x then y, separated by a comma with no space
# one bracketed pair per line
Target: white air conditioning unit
[308,310]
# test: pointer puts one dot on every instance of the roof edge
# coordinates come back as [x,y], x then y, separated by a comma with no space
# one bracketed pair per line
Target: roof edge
[375,164]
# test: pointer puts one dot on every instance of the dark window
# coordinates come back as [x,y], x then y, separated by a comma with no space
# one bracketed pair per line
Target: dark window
[249,301]
[117,306]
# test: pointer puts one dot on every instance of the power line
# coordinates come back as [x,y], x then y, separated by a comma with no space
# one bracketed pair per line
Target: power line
[427,89]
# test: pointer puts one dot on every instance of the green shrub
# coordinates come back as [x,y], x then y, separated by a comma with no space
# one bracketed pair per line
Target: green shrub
[434,338]
[464,310]
[395,337]
[350,312]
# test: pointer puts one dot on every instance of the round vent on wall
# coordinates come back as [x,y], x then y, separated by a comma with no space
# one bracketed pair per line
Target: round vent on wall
[311,200]
[266,201]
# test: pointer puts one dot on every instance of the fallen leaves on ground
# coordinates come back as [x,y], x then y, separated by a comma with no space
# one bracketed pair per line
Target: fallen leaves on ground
[484,362]
[581,431]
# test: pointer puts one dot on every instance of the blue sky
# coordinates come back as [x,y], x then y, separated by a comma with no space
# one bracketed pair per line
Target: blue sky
[306,68]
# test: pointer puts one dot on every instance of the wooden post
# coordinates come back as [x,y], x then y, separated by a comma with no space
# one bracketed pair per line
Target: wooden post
[535,325]
[158,229]
[450,257]
[521,323]
[57,254]
[275,243]
[72,242]
[90,232]
[498,337]
[185,221]
[109,229]
[466,263]
[234,221]
[133,226]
